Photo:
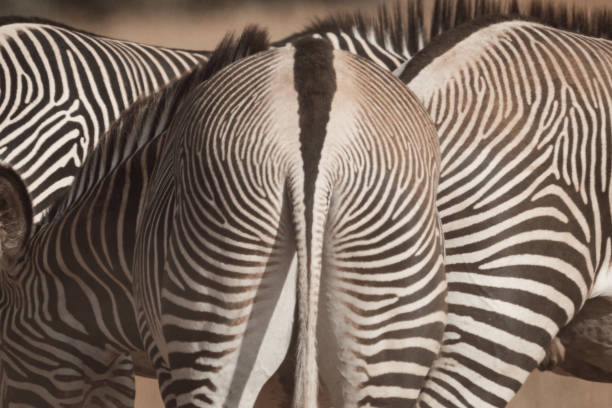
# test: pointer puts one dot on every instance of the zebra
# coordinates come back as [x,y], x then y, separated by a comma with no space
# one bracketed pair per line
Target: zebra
[459,378]
[79,343]
[522,113]
[61,88]
[205,210]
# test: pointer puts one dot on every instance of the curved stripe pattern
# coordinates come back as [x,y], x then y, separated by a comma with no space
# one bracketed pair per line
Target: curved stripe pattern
[522,112]
[67,305]
[61,88]
[383,289]
[474,190]
[248,179]
[197,202]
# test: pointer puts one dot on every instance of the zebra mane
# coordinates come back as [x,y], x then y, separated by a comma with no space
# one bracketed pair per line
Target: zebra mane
[411,24]
[252,40]
[398,25]
[466,17]
[595,22]
[150,116]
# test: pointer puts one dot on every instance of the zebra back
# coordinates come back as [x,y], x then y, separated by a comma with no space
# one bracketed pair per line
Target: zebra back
[61,88]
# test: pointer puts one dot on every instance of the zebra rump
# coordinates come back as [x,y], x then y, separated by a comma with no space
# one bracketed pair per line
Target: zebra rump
[266,161]
[391,39]
[522,112]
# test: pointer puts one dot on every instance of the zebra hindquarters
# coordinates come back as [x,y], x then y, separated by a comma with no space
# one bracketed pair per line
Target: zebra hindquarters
[383,288]
[525,211]
[218,315]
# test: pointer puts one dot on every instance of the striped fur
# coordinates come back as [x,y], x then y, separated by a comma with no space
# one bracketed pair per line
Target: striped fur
[67,305]
[522,112]
[205,215]
[237,197]
[137,189]
[395,28]
[61,88]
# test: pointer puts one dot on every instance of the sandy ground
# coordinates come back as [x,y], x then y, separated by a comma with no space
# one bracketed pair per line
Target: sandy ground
[204,31]
[542,390]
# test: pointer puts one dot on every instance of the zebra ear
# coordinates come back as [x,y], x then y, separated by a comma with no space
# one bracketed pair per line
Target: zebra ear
[15,215]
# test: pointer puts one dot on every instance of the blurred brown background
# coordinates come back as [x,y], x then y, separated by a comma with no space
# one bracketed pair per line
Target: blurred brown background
[200,24]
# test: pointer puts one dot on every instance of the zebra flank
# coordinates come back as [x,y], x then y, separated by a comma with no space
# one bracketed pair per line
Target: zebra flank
[61,88]
[73,279]
[520,103]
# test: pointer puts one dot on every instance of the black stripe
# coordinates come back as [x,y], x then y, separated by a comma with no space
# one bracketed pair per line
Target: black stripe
[315,83]
[445,41]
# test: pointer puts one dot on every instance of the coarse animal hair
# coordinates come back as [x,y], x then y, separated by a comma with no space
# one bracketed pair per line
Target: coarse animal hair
[404,25]
[151,116]
[469,16]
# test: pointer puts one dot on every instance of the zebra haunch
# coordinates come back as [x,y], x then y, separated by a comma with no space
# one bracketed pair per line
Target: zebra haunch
[391,39]
[523,117]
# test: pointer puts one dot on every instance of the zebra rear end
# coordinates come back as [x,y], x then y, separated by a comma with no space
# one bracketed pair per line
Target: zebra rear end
[523,116]
[274,157]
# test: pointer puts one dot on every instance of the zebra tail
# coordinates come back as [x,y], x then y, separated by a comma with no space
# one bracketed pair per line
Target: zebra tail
[310,262]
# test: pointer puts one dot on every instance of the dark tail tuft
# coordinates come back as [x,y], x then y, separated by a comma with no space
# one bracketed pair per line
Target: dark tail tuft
[252,40]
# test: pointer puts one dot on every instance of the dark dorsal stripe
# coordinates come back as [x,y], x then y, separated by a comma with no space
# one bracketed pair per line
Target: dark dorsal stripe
[401,23]
[471,16]
[392,22]
[444,42]
[315,83]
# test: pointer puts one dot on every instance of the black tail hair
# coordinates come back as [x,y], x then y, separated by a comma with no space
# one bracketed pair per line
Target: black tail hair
[252,40]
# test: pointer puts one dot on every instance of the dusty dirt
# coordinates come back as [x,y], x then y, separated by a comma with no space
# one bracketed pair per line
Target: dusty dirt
[542,390]
[204,31]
